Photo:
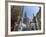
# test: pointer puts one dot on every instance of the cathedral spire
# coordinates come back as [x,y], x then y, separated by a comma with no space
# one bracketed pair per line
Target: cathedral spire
[25,15]
[33,14]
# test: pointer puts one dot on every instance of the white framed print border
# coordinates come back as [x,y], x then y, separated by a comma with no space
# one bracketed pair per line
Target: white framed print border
[31,8]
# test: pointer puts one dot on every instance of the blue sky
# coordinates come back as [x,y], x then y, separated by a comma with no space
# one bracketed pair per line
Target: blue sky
[30,10]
